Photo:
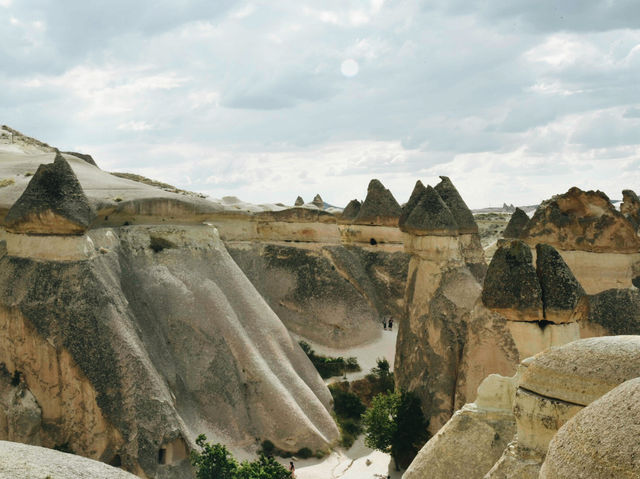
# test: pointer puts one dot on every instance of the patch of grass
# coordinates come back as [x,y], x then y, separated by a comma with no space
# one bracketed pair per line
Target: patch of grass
[328,366]
[28,174]
[117,199]
[6,182]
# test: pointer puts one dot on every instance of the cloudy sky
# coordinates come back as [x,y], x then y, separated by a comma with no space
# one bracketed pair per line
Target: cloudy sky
[514,100]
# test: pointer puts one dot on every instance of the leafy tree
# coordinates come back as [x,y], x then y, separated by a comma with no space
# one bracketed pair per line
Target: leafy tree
[395,424]
[263,468]
[214,462]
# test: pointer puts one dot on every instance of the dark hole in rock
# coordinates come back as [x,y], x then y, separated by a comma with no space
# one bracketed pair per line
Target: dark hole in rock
[373,242]
[158,244]
[162,456]
[543,324]
[116,461]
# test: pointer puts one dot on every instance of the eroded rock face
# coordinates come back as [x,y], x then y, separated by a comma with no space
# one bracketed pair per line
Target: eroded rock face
[612,312]
[459,209]
[582,220]
[19,461]
[53,203]
[317,200]
[599,441]
[299,201]
[430,216]
[379,207]
[331,294]
[157,339]
[630,207]
[351,211]
[516,225]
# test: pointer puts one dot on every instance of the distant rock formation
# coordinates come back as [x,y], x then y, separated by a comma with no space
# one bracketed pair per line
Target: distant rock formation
[408,207]
[88,158]
[53,203]
[516,225]
[379,207]
[299,201]
[317,200]
[19,461]
[351,211]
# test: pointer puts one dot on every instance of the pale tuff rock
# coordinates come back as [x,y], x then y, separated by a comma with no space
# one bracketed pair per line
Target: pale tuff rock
[299,201]
[473,439]
[516,225]
[53,203]
[459,209]
[155,341]
[601,440]
[88,158]
[582,220]
[19,461]
[317,200]
[379,207]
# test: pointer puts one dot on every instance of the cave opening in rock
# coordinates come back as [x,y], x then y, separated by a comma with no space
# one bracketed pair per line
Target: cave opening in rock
[373,242]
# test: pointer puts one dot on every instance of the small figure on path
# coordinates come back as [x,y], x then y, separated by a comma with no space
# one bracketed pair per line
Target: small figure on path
[390,324]
[292,469]
[384,323]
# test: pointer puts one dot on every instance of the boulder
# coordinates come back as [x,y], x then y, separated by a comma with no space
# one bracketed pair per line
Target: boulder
[561,291]
[459,209]
[601,440]
[379,207]
[516,225]
[511,285]
[53,203]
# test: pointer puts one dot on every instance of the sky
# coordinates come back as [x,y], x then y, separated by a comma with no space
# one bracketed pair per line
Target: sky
[514,100]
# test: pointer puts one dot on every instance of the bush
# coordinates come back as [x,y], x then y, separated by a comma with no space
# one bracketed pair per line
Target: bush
[267,447]
[346,404]
[328,366]
[304,453]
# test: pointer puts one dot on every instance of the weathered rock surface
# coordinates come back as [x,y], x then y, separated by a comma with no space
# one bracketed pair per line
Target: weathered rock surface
[331,294]
[351,211]
[408,207]
[299,201]
[19,461]
[516,225]
[53,203]
[630,207]
[459,209]
[379,207]
[473,439]
[511,285]
[159,338]
[601,440]
[612,312]
[317,200]
[88,158]
[430,216]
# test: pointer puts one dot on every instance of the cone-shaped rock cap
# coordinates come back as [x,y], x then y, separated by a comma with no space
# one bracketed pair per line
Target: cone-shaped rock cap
[430,216]
[351,210]
[53,203]
[299,201]
[511,285]
[630,207]
[561,291]
[516,225]
[379,207]
[317,200]
[459,209]
[416,194]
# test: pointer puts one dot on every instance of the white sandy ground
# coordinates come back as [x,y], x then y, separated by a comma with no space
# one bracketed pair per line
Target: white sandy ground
[352,463]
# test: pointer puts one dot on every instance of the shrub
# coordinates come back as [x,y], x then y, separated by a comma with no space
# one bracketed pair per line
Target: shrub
[328,366]
[304,453]
[268,447]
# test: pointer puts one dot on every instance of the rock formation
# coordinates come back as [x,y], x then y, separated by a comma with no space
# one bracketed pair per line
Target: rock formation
[600,440]
[542,398]
[88,158]
[630,207]
[351,210]
[599,243]
[19,461]
[317,200]
[516,225]
[379,207]
[612,312]
[53,203]
[459,210]
[299,201]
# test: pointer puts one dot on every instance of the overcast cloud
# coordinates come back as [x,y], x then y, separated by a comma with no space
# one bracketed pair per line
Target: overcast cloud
[514,100]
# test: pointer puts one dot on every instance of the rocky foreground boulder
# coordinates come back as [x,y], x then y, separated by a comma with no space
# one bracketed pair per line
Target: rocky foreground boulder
[19,461]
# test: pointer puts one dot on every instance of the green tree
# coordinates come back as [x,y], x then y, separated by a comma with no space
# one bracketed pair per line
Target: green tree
[395,424]
[214,462]
[262,468]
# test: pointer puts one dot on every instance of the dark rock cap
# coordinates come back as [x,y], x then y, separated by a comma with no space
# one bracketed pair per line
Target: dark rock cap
[418,189]
[630,207]
[459,209]
[616,310]
[516,225]
[299,201]
[317,200]
[560,288]
[431,216]
[379,207]
[53,203]
[511,281]
[351,210]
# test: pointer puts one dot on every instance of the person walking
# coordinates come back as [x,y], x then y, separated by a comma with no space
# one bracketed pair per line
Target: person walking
[292,469]
[384,322]
[390,324]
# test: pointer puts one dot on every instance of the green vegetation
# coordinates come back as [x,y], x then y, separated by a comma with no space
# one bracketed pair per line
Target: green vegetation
[395,424]
[216,462]
[328,366]
[6,182]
